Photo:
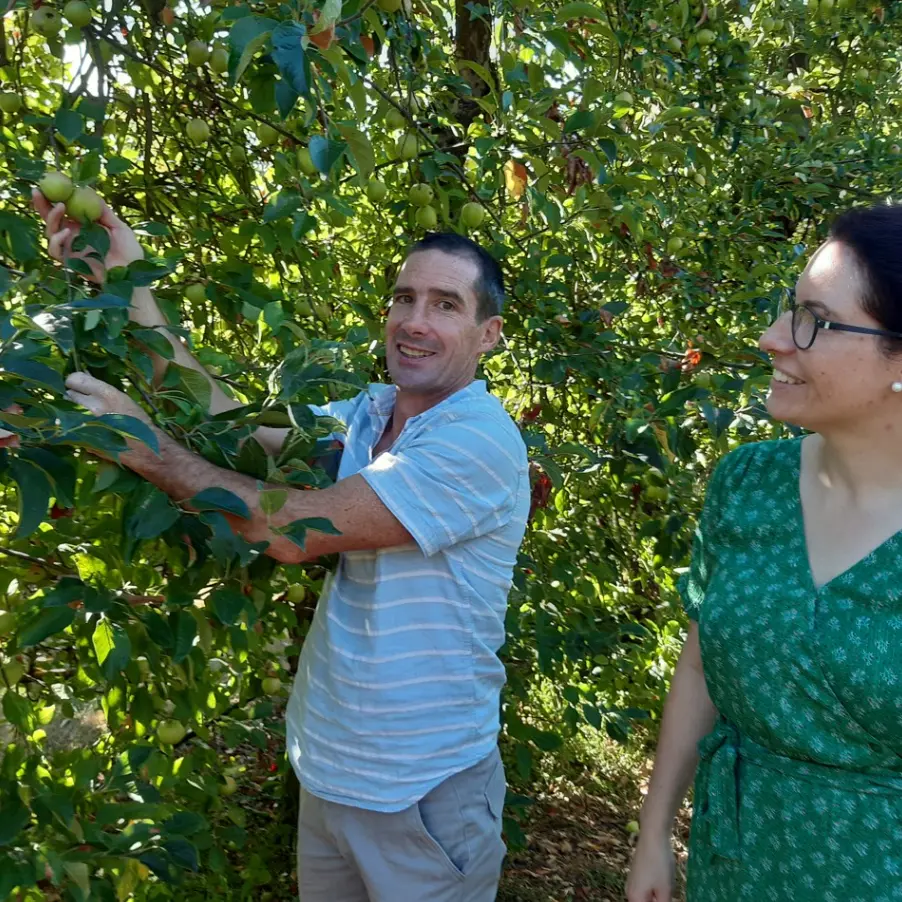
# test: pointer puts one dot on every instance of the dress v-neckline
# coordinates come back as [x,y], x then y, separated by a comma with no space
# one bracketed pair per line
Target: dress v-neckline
[803,535]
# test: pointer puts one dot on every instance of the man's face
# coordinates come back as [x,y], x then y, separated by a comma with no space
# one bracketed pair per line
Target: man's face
[433,340]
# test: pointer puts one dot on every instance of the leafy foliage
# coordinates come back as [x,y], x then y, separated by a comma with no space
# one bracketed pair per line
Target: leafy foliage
[652,175]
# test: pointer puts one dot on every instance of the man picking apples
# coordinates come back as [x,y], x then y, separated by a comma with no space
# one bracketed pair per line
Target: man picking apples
[394,715]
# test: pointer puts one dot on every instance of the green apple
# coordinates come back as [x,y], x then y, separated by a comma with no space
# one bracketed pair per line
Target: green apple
[198,131]
[46,21]
[229,788]
[266,134]
[12,672]
[169,732]
[407,146]
[219,60]
[305,162]
[7,620]
[395,119]
[296,594]
[674,44]
[705,37]
[421,195]
[197,52]
[78,13]
[84,205]
[674,245]
[377,191]
[472,215]
[335,217]
[196,292]
[389,6]
[237,155]
[427,218]
[272,685]
[56,187]
[10,102]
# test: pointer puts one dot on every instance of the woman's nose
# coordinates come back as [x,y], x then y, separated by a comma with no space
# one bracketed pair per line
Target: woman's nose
[777,339]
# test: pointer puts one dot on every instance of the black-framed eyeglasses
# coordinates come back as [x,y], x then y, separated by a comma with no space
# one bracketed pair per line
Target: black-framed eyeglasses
[806,323]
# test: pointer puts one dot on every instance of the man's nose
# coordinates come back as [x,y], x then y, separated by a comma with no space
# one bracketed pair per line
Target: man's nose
[415,319]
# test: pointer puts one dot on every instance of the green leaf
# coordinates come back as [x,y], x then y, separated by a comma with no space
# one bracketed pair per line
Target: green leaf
[34,495]
[217,498]
[112,647]
[227,605]
[46,623]
[99,302]
[570,11]
[69,124]
[579,120]
[60,471]
[155,341]
[196,385]
[359,149]
[16,816]
[288,54]
[131,426]
[184,630]
[31,371]
[246,37]
[118,165]
[328,16]
[286,98]
[325,153]
[154,514]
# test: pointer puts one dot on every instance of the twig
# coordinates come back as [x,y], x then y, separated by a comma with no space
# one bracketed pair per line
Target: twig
[40,562]
[349,19]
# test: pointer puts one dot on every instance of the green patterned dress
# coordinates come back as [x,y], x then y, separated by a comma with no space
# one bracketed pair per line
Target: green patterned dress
[798,793]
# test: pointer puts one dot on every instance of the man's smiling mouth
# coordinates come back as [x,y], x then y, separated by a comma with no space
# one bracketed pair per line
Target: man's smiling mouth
[413,353]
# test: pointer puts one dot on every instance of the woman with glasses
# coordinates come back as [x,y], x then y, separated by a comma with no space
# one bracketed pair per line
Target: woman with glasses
[786,703]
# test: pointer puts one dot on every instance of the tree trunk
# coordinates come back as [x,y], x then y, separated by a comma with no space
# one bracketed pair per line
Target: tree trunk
[473,38]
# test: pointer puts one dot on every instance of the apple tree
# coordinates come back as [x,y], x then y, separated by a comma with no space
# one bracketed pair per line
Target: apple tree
[650,176]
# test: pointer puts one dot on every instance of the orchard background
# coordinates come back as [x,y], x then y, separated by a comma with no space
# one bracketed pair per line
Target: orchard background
[651,175]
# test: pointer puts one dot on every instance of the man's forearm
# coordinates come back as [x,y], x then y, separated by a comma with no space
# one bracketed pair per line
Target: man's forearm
[182,475]
[146,312]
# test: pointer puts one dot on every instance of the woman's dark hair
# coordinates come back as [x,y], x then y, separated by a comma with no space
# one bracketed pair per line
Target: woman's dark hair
[874,235]
[489,287]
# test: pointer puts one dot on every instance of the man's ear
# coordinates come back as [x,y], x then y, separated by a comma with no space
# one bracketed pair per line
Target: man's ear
[491,333]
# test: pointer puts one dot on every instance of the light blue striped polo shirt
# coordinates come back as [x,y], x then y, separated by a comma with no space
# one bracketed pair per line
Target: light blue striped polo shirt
[399,681]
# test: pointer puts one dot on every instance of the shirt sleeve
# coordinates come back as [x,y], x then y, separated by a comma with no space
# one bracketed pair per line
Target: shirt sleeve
[454,482]
[694,583]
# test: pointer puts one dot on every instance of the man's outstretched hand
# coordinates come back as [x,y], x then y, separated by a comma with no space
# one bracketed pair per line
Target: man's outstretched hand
[102,398]
[62,231]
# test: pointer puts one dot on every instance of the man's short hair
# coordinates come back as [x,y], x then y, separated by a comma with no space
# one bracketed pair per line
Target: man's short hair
[489,287]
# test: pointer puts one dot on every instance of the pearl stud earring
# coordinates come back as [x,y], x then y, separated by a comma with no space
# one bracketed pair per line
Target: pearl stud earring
[897,387]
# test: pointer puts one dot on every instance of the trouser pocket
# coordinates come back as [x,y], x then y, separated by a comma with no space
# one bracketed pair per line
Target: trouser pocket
[459,821]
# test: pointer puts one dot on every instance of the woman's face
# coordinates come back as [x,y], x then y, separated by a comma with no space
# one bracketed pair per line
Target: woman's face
[844,379]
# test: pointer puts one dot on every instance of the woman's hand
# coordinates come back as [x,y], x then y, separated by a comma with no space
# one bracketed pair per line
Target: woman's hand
[62,231]
[651,876]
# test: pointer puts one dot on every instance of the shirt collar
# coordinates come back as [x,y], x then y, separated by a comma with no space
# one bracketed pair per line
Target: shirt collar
[382,398]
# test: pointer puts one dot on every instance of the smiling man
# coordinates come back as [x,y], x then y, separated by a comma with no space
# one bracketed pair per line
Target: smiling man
[394,716]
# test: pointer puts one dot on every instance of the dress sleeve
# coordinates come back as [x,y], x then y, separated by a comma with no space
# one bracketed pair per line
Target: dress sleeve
[694,583]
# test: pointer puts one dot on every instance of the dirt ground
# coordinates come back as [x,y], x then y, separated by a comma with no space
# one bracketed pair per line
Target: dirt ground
[578,843]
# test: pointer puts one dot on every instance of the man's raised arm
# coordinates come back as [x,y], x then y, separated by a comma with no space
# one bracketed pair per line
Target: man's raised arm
[144,310]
